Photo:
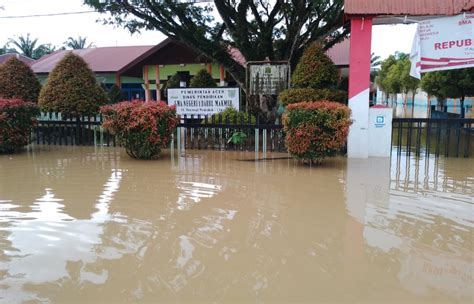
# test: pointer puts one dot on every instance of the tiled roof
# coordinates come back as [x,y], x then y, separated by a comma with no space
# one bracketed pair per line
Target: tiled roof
[339,53]
[407,7]
[101,59]
[20,57]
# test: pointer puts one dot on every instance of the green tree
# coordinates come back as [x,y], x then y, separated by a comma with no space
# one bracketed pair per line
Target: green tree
[315,70]
[450,84]
[375,60]
[381,79]
[408,83]
[393,77]
[72,88]
[115,94]
[202,80]
[173,82]
[78,43]
[17,80]
[277,30]
[5,50]
[29,47]
[315,78]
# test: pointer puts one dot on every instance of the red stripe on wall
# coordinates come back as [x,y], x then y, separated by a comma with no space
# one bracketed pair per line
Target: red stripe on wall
[359,57]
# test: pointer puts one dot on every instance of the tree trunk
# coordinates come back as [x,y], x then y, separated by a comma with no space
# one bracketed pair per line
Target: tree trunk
[462,106]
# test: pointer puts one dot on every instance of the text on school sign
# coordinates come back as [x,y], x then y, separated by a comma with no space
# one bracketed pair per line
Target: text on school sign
[443,44]
[205,101]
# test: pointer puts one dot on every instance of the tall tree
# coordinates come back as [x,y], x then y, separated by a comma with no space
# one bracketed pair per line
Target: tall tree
[375,60]
[78,43]
[408,83]
[29,47]
[450,84]
[274,30]
[393,77]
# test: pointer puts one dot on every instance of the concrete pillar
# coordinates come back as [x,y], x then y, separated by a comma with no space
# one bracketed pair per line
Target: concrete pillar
[222,76]
[359,86]
[157,81]
[118,82]
[147,83]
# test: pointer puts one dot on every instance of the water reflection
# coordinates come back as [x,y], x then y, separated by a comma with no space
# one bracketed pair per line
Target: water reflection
[419,214]
[422,109]
[219,227]
[41,241]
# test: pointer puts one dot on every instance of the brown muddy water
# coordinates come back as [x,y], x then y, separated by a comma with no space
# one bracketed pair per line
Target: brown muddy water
[85,225]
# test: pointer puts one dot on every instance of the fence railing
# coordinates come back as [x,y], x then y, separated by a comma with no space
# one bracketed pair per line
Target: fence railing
[53,129]
[193,132]
[220,133]
[448,137]
[412,136]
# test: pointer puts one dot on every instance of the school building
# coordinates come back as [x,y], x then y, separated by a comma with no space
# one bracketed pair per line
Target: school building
[140,70]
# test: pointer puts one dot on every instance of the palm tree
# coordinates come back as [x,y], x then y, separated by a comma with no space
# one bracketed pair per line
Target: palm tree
[5,50]
[27,46]
[374,61]
[79,43]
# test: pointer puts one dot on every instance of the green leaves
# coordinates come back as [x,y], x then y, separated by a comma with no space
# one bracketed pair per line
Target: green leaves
[17,80]
[202,80]
[17,119]
[72,88]
[315,130]
[315,70]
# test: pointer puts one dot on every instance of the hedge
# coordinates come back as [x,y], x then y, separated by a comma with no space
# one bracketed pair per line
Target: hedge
[17,80]
[231,116]
[202,80]
[315,130]
[296,95]
[17,119]
[315,70]
[72,88]
[143,128]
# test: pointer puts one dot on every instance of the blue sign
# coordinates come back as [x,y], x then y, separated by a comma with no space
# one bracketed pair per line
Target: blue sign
[380,121]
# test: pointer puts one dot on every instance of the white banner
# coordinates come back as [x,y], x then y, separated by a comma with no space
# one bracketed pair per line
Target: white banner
[203,101]
[443,44]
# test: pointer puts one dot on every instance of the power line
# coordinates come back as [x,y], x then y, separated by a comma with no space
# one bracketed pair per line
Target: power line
[46,15]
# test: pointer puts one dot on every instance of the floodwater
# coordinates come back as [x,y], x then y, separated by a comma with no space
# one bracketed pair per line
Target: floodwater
[421,109]
[85,225]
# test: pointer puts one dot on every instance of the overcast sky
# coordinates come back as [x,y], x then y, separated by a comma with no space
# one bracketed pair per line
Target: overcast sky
[386,39]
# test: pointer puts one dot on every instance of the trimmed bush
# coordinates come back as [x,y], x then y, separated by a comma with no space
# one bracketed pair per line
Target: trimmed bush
[315,130]
[143,128]
[315,78]
[72,89]
[295,95]
[173,82]
[114,94]
[315,70]
[231,116]
[17,80]
[17,119]
[202,80]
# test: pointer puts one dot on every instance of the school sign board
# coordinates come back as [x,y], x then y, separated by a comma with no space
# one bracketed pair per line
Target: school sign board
[268,79]
[443,44]
[203,101]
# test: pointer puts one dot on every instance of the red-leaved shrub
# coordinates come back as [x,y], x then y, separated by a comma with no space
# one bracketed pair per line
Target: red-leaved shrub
[315,130]
[143,128]
[17,119]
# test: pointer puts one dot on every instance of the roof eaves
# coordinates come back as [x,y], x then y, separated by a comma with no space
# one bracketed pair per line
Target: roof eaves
[143,56]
